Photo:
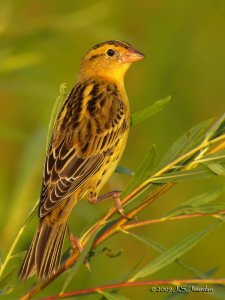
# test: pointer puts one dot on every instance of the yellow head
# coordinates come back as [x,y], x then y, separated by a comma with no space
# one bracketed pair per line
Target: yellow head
[109,60]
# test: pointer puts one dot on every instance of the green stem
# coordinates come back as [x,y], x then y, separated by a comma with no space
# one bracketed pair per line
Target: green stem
[9,254]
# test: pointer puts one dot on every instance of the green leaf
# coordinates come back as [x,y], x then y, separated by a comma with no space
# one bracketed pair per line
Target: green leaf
[218,157]
[206,167]
[148,242]
[32,214]
[56,109]
[80,259]
[161,249]
[174,252]
[149,111]
[178,176]
[206,209]
[123,170]
[6,280]
[132,271]
[216,168]
[197,203]
[185,143]
[113,296]
[216,129]
[7,290]
[142,171]
[206,197]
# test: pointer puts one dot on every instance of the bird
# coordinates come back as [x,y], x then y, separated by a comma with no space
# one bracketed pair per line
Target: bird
[87,142]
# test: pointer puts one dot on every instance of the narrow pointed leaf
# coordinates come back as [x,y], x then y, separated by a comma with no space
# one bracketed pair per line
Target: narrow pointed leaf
[217,128]
[184,175]
[203,209]
[32,213]
[204,168]
[7,290]
[6,281]
[186,142]
[150,111]
[142,171]
[210,208]
[206,197]
[216,157]
[216,168]
[80,259]
[174,252]
[197,203]
[57,106]
[161,249]
[123,170]
[132,271]
[111,296]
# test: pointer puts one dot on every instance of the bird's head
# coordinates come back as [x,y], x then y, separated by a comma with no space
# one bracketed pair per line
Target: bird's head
[109,59]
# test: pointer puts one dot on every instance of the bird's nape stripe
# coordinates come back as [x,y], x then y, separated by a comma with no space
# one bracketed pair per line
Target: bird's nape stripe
[94,56]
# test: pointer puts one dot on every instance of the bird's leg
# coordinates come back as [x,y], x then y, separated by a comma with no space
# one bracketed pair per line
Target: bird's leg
[113,194]
[75,243]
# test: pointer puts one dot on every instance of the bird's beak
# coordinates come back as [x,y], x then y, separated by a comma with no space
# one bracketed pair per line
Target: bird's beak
[132,55]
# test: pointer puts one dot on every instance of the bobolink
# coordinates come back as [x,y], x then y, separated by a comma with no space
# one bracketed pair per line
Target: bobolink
[87,142]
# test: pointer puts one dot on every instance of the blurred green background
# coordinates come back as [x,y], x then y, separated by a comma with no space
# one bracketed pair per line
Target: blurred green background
[41,44]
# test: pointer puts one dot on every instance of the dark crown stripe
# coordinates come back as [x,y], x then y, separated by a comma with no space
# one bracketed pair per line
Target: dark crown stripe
[114,43]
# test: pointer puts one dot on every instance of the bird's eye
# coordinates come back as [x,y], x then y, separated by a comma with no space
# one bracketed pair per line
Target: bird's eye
[110,52]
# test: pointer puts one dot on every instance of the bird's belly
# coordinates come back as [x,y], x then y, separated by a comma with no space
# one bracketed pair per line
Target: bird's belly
[108,167]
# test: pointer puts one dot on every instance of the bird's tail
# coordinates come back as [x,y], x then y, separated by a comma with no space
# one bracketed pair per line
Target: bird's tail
[43,256]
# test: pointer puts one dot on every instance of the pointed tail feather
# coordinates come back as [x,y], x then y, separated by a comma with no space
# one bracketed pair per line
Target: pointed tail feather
[49,249]
[43,256]
[28,267]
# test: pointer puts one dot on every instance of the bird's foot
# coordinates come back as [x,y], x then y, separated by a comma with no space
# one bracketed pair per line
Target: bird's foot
[75,244]
[93,199]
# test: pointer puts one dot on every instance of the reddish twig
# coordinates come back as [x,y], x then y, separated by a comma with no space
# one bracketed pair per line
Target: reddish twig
[181,217]
[174,282]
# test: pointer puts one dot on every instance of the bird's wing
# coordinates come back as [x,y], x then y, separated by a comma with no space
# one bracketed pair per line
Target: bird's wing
[81,142]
